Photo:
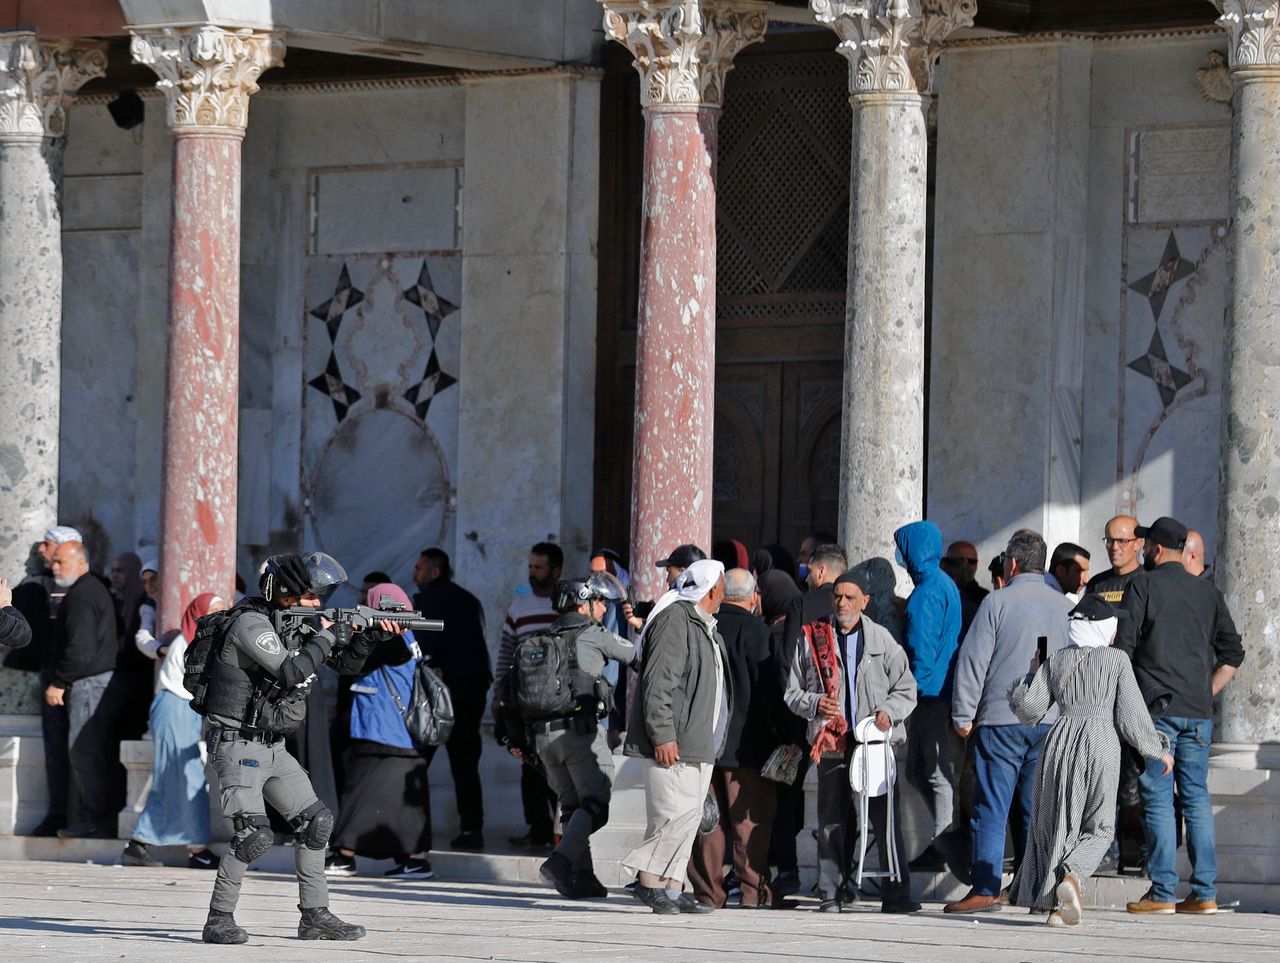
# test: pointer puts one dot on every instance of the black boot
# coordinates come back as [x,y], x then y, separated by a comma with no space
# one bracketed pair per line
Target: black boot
[586,886]
[318,923]
[221,927]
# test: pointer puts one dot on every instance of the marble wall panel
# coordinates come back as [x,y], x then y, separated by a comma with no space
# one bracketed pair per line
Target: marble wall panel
[110,202]
[97,146]
[379,442]
[404,209]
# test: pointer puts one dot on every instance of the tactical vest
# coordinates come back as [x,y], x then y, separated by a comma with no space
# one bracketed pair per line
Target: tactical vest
[231,688]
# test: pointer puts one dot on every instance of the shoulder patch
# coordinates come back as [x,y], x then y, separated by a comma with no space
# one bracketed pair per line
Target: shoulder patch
[268,643]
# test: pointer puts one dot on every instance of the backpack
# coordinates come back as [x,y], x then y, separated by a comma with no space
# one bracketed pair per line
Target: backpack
[202,652]
[544,672]
[429,716]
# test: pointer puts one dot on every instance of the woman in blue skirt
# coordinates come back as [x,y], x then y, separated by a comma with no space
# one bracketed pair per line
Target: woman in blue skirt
[177,811]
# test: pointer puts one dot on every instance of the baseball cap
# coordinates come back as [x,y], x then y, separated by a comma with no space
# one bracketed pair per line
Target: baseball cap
[62,533]
[1094,608]
[1165,531]
[682,556]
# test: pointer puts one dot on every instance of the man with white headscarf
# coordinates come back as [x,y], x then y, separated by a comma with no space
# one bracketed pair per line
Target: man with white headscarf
[1073,818]
[678,723]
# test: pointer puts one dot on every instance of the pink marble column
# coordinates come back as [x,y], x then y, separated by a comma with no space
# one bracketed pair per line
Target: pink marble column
[683,50]
[208,74]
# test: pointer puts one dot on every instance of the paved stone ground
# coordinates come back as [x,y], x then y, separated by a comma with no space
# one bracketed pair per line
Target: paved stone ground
[70,911]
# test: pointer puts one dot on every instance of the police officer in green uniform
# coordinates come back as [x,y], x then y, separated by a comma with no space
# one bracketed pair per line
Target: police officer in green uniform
[573,749]
[257,685]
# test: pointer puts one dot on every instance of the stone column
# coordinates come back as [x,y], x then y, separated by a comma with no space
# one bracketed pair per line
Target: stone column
[37,81]
[207,74]
[1249,513]
[891,46]
[683,49]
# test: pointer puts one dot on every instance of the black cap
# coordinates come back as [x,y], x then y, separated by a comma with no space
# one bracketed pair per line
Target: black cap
[682,557]
[854,577]
[1165,531]
[1094,608]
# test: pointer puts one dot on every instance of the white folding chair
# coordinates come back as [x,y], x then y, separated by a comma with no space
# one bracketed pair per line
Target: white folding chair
[873,772]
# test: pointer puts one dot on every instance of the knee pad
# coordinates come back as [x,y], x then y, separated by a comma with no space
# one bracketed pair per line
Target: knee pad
[253,837]
[314,825]
[598,810]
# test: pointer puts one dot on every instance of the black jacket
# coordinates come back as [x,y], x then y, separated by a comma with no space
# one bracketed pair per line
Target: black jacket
[1177,633]
[816,604]
[85,636]
[460,652]
[758,708]
[14,630]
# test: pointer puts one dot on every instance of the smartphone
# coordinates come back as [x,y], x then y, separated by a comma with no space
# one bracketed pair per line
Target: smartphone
[1042,649]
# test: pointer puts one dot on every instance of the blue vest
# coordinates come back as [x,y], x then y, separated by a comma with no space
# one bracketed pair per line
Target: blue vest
[374,716]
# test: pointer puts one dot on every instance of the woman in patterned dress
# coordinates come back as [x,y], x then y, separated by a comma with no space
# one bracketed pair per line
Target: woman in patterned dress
[1099,703]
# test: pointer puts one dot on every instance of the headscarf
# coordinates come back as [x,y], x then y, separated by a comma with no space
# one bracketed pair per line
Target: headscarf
[732,553]
[692,585]
[133,591]
[883,609]
[150,565]
[1086,634]
[198,609]
[778,592]
[780,558]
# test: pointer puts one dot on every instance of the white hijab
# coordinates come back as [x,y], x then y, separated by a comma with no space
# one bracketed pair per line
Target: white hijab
[1092,635]
[692,585]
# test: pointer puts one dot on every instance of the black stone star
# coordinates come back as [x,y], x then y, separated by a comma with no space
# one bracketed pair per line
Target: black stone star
[1155,286]
[1155,365]
[423,294]
[345,297]
[433,382]
[331,384]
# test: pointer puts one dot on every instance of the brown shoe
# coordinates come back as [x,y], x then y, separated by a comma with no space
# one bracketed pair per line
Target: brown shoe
[1148,907]
[1069,903]
[974,903]
[1197,907]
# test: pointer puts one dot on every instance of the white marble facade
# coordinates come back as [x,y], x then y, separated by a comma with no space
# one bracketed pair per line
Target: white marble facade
[1055,266]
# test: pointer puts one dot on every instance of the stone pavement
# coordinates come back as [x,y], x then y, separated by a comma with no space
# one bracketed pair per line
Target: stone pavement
[69,912]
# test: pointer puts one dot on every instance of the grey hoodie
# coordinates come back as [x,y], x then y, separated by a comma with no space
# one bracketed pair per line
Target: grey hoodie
[996,653]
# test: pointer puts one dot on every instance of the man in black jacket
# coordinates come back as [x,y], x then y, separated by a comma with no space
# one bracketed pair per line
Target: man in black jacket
[747,800]
[462,658]
[1185,649]
[85,645]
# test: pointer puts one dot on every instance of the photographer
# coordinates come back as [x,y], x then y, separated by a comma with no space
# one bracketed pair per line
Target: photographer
[253,690]
[564,732]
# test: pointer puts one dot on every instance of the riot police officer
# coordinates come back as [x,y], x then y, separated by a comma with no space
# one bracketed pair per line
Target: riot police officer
[255,693]
[573,749]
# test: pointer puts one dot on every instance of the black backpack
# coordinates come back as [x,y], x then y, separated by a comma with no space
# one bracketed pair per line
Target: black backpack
[544,676]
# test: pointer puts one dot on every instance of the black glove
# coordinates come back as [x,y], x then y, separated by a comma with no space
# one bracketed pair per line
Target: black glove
[341,632]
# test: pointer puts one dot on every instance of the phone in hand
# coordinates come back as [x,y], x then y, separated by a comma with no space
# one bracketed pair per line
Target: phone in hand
[1042,649]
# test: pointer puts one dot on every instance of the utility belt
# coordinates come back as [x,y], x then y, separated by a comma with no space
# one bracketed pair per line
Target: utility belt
[265,736]
[580,722]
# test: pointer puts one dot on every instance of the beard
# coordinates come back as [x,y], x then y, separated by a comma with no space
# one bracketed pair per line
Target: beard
[63,581]
[1148,563]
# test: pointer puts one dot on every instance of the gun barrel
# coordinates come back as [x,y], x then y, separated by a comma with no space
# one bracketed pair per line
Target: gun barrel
[414,623]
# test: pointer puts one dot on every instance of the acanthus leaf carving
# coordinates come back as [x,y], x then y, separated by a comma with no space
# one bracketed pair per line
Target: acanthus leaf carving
[207,72]
[893,45]
[39,79]
[1254,29]
[684,48]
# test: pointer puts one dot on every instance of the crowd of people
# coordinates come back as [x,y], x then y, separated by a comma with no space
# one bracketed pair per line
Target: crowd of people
[1062,716]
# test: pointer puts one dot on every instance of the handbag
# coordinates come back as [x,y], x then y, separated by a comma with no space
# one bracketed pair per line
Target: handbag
[783,764]
[429,716]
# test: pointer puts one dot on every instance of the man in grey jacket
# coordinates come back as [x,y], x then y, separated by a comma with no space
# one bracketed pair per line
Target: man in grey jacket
[678,722]
[884,689]
[995,656]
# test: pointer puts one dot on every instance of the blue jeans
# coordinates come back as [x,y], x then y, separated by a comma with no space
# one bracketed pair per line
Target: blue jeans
[1189,742]
[1006,757]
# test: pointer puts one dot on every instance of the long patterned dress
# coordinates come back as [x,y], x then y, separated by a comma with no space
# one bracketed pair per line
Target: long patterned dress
[1073,820]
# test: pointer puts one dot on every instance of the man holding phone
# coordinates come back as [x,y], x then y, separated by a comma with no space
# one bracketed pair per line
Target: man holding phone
[995,654]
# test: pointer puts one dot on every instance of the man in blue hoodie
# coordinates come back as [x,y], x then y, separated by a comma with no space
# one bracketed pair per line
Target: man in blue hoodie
[932,641]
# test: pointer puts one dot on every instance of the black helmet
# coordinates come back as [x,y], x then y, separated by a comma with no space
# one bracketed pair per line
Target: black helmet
[298,575]
[572,592]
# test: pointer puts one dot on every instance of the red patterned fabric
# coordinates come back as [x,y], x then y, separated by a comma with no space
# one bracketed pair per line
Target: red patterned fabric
[822,642]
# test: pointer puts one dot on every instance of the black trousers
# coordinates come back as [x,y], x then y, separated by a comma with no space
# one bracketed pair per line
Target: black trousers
[464,750]
[539,803]
[54,726]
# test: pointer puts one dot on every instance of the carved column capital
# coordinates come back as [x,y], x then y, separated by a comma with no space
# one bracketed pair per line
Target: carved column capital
[1253,27]
[684,48]
[39,79]
[207,72]
[893,45]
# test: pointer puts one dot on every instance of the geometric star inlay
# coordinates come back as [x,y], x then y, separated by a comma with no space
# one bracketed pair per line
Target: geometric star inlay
[433,382]
[1156,366]
[423,294]
[331,383]
[1173,268]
